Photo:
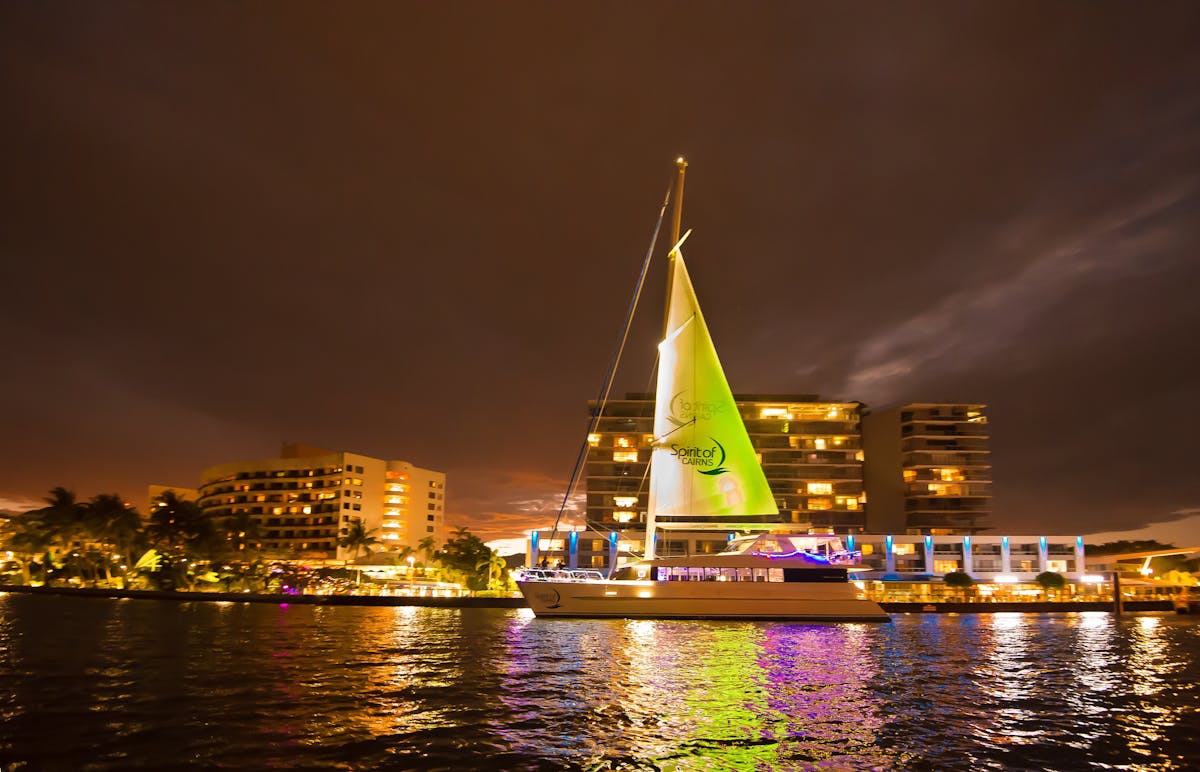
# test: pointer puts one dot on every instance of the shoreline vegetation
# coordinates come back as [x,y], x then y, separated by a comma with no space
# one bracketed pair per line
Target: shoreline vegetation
[105,544]
[184,596]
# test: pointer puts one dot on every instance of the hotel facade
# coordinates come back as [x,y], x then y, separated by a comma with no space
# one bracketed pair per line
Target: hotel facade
[810,450]
[833,466]
[307,499]
[927,469]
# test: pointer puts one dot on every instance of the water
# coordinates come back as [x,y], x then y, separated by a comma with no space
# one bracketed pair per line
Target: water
[110,684]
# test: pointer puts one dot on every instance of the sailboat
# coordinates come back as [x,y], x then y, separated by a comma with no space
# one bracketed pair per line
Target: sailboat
[705,475]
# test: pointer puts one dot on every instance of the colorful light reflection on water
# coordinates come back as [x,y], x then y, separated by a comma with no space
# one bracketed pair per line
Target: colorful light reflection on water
[166,685]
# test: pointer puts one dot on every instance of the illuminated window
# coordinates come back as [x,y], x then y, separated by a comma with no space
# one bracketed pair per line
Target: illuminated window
[839,441]
[820,504]
[624,515]
[774,412]
[625,455]
[945,566]
[820,488]
[858,456]
[868,549]
[623,442]
[625,502]
[949,474]
[593,440]
[909,475]
[818,443]
[848,502]
[904,549]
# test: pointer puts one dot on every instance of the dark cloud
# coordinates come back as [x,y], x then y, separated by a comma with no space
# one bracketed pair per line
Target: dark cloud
[411,230]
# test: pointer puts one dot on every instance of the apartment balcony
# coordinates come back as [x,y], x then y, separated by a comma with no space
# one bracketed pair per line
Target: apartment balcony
[945,430]
[948,445]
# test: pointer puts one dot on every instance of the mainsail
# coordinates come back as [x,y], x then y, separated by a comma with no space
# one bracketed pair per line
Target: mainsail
[703,471]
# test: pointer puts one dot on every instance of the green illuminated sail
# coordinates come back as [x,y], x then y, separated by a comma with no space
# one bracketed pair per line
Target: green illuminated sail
[703,469]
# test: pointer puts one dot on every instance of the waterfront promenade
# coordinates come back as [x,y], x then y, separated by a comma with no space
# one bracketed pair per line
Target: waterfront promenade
[956,607]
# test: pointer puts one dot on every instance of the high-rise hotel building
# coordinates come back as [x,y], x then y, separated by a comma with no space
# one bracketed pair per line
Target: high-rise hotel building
[810,449]
[306,500]
[928,469]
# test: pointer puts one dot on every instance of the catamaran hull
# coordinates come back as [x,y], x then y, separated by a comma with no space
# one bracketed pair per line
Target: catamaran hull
[824,602]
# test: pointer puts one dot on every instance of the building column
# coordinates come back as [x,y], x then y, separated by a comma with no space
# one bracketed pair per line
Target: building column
[1005,556]
[968,565]
[889,555]
[573,555]
[612,553]
[533,548]
[1043,555]
[928,554]
[1080,563]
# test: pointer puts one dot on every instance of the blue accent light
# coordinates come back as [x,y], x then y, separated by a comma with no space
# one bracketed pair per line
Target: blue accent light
[888,541]
[533,537]
[574,539]
[967,542]
[850,542]
[729,537]
[1078,541]
[1004,541]
[612,538]
[928,542]
[1042,541]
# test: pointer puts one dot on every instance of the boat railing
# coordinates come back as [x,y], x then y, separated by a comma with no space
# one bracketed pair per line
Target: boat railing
[845,557]
[559,575]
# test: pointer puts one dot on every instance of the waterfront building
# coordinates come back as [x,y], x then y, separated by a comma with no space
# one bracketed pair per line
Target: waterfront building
[986,558]
[307,499]
[810,450]
[927,469]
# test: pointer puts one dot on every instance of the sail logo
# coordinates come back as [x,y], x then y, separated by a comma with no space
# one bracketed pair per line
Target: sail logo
[712,459]
[684,411]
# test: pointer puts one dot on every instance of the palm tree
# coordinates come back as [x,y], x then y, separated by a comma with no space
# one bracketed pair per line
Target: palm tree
[31,539]
[496,568]
[175,521]
[358,539]
[64,520]
[115,525]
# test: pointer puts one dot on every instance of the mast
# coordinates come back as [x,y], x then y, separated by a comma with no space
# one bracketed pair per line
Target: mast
[676,217]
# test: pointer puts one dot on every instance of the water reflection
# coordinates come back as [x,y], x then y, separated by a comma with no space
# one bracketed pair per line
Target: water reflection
[255,687]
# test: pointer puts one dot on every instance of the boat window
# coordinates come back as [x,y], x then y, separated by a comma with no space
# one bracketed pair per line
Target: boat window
[774,574]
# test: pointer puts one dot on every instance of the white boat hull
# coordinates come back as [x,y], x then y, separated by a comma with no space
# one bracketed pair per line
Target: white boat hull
[797,601]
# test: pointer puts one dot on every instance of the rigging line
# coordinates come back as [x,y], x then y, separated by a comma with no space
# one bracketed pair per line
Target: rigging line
[612,367]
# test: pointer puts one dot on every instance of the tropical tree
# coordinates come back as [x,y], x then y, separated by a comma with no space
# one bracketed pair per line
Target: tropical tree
[64,519]
[497,571]
[959,580]
[1049,580]
[180,532]
[30,539]
[358,540]
[175,522]
[113,524]
[466,556]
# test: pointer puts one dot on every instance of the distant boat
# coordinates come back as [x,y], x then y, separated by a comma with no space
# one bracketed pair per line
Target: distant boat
[705,475]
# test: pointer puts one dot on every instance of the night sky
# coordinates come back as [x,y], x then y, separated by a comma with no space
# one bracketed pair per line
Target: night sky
[410,230]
